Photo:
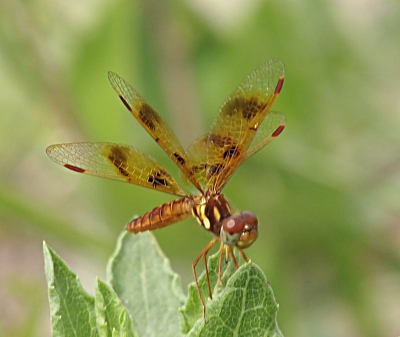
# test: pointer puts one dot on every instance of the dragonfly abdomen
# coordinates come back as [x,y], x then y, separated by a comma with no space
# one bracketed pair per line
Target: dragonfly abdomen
[163,215]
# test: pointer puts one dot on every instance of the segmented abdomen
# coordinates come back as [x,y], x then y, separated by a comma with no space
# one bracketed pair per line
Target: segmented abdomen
[163,215]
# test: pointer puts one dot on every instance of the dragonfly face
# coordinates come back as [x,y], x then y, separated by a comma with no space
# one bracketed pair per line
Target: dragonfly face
[243,125]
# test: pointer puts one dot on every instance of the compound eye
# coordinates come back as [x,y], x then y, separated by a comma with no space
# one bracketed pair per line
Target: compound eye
[250,218]
[234,224]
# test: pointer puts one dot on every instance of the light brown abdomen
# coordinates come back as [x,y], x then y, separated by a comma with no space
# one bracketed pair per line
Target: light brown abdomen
[163,215]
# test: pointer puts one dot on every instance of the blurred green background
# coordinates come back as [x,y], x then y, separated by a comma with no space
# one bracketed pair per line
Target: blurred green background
[326,192]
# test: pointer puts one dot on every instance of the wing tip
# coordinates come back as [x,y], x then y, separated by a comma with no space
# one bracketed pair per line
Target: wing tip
[278,130]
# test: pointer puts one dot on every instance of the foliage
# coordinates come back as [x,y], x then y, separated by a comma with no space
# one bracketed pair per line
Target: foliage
[144,295]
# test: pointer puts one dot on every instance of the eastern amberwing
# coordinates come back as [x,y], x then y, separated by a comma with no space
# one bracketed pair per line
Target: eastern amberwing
[243,126]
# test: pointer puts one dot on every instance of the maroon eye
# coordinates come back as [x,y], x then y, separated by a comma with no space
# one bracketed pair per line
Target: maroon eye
[234,224]
[250,218]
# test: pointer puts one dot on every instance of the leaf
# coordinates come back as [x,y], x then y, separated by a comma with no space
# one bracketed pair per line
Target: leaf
[243,306]
[74,312]
[71,308]
[142,277]
[112,318]
[193,310]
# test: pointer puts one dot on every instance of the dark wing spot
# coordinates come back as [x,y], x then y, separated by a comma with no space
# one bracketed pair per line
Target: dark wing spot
[215,169]
[231,152]
[155,181]
[249,108]
[179,158]
[226,143]
[234,106]
[123,171]
[148,116]
[118,158]
[158,178]
[219,141]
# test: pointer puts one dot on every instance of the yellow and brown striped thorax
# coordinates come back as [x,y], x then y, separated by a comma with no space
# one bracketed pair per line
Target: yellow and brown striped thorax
[210,211]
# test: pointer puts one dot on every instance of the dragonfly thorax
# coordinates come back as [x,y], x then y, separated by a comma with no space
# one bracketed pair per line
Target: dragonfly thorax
[209,211]
[214,214]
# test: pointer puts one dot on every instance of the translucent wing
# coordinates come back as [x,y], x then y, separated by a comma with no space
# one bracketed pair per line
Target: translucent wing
[272,127]
[154,125]
[115,161]
[216,155]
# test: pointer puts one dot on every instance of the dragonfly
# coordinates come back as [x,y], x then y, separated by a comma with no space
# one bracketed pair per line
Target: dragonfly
[243,125]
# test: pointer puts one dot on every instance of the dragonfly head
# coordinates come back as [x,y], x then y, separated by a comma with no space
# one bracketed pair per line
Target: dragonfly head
[239,230]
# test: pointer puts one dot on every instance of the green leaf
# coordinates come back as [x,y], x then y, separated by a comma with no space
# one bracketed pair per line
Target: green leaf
[74,312]
[193,310]
[71,308]
[149,295]
[243,306]
[112,318]
[142,277]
